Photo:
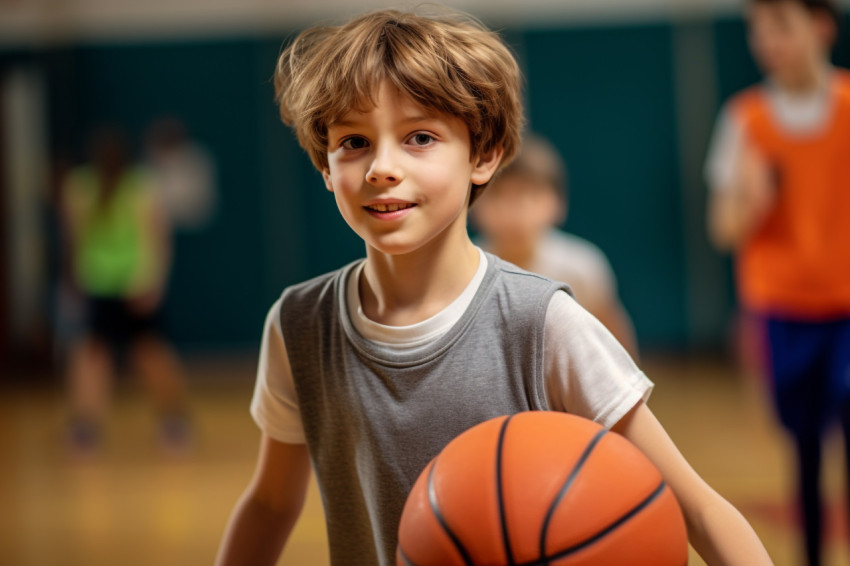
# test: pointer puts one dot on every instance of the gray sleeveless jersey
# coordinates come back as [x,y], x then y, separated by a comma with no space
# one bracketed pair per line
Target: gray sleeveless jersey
[374,417]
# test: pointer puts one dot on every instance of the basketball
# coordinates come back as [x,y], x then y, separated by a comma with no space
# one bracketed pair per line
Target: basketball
[541,488]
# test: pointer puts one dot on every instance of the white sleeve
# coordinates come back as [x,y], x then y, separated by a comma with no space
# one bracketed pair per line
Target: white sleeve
[587,372]
[275,402]
[723,151]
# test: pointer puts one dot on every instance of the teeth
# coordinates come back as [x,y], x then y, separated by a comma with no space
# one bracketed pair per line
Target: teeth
[392,207]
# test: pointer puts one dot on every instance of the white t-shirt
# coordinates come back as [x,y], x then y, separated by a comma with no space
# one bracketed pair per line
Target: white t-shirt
[587,372]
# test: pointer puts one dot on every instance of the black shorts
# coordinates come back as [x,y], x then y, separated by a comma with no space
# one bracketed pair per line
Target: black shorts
[115,321]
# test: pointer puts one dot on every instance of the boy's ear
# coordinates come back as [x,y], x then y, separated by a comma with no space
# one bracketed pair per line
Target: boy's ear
[826,28]
[326,176]
[486,165]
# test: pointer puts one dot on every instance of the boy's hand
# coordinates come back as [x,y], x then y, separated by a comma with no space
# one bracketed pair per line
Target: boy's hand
[755,187]
[736,211]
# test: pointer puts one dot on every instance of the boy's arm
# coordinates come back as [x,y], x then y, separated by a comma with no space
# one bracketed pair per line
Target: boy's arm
[738,208]
[157,229]
[263,518]
[718,532]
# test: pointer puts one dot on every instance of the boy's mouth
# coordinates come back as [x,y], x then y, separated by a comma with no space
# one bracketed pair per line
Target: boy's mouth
[389,207]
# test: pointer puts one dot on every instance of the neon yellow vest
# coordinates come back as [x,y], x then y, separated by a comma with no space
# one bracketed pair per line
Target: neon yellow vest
[114,253]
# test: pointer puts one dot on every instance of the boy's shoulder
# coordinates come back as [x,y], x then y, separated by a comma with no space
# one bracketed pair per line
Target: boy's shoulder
[316,286]
[331,284]
[502,266]
[748,98]
[757,93]
[528,283]
[842,83]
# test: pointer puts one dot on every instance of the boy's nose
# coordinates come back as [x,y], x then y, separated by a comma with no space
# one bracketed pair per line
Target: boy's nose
[385,168]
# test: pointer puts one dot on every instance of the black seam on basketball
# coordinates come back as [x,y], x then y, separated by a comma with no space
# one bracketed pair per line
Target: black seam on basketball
[435,508]
[407,561]
[584,544]
[500,495]
[564,488]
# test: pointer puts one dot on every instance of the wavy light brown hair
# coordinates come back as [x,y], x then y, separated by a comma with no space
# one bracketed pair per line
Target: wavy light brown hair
[449,63]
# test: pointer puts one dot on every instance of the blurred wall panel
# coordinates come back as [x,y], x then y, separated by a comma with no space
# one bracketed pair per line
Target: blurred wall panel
[605,97]
[25,169]
[707,274]
[5,347]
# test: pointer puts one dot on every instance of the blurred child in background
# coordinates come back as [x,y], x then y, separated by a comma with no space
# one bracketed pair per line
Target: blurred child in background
[120,254]
[184,173]
[780,200]
[518,218]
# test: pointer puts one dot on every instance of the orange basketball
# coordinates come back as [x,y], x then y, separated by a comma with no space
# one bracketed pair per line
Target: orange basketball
[541,488]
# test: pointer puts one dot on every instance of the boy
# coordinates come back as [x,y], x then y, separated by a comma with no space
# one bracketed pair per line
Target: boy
[369,371]
[517,216]
[780,199]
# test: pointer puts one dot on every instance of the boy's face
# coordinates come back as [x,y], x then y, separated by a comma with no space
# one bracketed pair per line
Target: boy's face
[787,39]
[401,174]
[516,210]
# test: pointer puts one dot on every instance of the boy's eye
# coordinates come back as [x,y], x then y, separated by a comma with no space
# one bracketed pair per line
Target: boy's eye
[354,142]
[421,139]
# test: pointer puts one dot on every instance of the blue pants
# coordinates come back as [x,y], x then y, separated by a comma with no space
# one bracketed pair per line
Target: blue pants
[809,367]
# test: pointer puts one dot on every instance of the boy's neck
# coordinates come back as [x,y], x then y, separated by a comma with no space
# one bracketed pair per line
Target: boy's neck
[400,290]
[809,80]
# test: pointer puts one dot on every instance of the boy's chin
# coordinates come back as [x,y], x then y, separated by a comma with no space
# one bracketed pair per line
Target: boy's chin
[401,247]
[393,248]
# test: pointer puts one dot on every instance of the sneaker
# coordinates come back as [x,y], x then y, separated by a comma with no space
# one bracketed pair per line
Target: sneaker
[83,437]
[176,434]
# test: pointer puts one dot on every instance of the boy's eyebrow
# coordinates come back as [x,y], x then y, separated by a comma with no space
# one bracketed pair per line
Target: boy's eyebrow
[343,124]
[349,123]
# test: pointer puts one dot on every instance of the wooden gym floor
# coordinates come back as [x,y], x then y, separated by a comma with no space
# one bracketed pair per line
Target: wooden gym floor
[134,505]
